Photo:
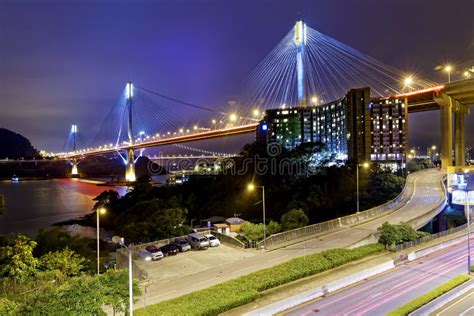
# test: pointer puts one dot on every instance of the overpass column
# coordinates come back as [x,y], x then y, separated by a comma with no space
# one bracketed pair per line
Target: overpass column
[446,134]
[130,168]
[459,139]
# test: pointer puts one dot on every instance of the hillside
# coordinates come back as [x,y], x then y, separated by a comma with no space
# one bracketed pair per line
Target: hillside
[15,146]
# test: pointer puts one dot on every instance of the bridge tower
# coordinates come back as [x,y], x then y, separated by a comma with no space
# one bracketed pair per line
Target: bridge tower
[300,42]
[74,171]
[130,168]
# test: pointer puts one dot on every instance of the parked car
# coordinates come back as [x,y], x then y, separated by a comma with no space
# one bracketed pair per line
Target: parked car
[213,241]
[145,255]
[198,241]
[169,250]
[182,244]
[154,252]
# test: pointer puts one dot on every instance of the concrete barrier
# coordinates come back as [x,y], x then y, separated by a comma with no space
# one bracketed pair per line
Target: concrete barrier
[444,299]
[229,240]
[320,291]
[429,250]
[285,238]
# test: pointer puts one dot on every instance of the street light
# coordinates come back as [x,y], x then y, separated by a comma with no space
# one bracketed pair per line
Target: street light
[99,211]
[256,113]
[233,117]
[408,81]
[251,187]
[467,74]
[121,242]
[448,69]
[469,188]
[314,100]
[364,165]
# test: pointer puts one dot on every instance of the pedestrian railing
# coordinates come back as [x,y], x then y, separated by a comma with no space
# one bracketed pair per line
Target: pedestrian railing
[410,244]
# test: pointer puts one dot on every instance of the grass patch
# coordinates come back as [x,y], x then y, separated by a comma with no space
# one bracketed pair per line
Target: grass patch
[429,296]
[245,289]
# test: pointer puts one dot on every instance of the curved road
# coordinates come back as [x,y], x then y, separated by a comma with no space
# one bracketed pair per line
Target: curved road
[384,293]
[427,195]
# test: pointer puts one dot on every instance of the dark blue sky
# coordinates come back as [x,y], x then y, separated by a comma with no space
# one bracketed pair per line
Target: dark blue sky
[67,61]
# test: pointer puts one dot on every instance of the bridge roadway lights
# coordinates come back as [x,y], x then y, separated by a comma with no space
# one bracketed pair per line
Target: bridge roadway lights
[130,168]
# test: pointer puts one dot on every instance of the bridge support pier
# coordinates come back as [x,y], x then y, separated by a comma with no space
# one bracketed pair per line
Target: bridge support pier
[74,171]
[130,168]
[459,155]
[446,134]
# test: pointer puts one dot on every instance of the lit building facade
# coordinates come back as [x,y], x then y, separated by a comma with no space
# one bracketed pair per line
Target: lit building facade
[387,120]
[353,127]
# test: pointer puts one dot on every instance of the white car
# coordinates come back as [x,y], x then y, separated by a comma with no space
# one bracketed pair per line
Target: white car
[155,253]
[213,241]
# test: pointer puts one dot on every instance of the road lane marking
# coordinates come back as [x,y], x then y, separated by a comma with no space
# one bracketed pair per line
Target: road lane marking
[205,281]
[334,240]
[163,294]
[276,259]
[237,271]
[467,310]
[456,303]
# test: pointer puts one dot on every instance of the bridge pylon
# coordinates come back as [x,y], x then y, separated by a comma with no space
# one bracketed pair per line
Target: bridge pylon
[74,161]
[130,175]
[300,42]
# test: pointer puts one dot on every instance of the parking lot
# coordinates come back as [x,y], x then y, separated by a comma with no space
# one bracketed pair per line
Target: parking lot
[191,262]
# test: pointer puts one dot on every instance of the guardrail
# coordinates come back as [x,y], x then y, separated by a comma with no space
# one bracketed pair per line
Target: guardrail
[280,239]
[422,240]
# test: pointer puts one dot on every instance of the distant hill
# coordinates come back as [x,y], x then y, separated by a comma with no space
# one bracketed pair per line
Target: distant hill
[14,146]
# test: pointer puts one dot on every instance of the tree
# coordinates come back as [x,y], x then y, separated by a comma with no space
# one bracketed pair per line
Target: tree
[66,261]
[147,221]
[389,235]
[294,218]
[57,239]
[16,258]
[106,199]
[82,295]
[252,231]
[273,228]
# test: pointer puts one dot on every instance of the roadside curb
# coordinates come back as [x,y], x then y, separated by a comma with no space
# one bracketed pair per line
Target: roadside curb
[444,299]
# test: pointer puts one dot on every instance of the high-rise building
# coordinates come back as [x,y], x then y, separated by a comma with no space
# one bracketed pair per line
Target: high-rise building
[354,127]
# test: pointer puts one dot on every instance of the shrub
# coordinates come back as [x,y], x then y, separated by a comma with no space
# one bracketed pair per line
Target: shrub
[294,218]
[429,296]
[391,235]
[245,289]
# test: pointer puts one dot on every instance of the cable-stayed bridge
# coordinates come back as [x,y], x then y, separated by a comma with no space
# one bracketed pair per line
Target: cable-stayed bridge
[306,68]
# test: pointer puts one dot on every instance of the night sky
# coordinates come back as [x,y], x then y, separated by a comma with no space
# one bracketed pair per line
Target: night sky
[67,61]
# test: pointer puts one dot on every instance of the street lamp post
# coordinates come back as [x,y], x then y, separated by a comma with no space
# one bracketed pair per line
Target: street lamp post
[99,211]
[252,187]
[468,233]
[448,69]
[121,242]
[365,165]
[469,188]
